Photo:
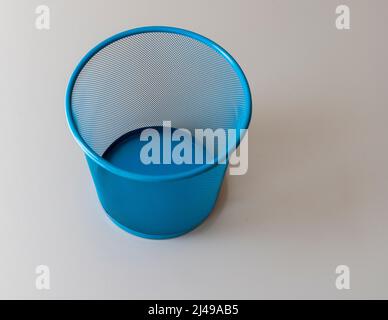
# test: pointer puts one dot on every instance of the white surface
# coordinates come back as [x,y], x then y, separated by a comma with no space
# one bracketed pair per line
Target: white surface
[315,196]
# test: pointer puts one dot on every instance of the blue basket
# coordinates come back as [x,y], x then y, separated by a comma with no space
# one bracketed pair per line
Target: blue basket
[138,79]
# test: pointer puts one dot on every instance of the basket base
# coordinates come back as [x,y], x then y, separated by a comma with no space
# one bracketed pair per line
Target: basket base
[146,235]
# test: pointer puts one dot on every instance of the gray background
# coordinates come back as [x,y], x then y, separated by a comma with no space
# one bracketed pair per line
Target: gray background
[316,193]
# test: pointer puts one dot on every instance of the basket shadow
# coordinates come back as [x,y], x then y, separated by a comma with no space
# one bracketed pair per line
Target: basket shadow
[305,172]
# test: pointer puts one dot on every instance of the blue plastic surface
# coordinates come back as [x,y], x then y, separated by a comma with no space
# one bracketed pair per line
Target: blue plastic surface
[137,79]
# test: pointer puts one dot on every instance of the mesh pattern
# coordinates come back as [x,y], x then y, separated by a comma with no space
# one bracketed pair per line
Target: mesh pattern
[141,80]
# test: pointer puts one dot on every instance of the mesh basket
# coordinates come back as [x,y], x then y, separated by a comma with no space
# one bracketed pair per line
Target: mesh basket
[138,79]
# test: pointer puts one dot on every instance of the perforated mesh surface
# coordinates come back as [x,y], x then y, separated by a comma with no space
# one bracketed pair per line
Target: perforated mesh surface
[143,79]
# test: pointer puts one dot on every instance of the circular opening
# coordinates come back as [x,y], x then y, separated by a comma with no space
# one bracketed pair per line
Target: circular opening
[142,77]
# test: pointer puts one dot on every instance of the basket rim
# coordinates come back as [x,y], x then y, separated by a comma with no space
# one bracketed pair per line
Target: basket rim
[144,177]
